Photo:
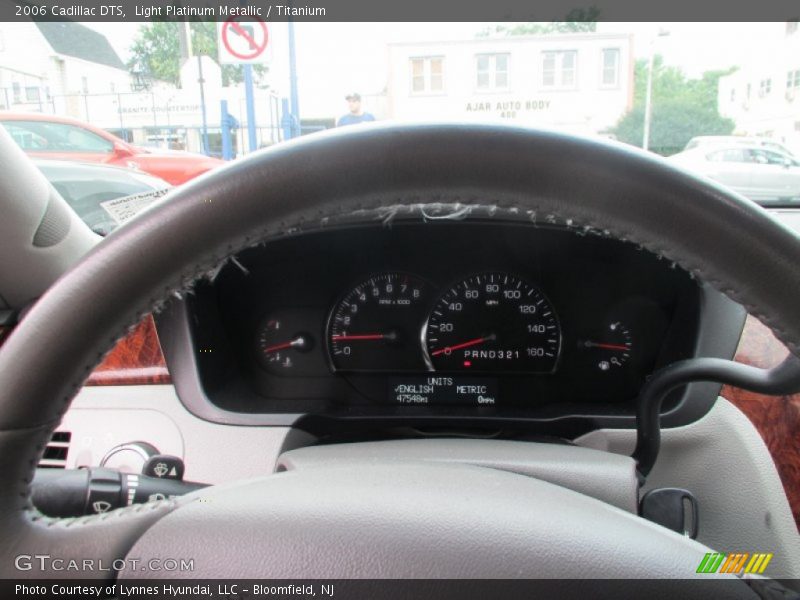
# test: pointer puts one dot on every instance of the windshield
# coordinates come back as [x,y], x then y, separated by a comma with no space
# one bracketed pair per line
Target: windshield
[720,100]
[99,193]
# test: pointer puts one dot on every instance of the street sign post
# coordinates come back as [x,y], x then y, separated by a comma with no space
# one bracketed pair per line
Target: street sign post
[245,41]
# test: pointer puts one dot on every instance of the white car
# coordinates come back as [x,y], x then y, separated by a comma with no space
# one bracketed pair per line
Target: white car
[706,141]
[755,172]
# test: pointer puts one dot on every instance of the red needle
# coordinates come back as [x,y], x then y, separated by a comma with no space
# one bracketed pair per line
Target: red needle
[277,347]
[474,342]
[364,336]
[298,342]
[608,346]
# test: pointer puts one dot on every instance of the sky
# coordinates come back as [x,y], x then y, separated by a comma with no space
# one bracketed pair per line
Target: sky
[337,58]
[695,47]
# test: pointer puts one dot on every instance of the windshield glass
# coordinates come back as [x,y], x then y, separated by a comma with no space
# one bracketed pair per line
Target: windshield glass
[174,100]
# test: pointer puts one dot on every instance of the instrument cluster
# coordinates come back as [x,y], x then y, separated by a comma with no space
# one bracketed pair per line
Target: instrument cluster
[480,316]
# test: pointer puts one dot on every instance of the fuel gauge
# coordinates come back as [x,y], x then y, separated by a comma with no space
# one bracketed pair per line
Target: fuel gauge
[611,348]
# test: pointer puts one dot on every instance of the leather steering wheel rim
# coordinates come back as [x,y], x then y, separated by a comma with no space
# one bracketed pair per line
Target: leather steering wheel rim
[358,175]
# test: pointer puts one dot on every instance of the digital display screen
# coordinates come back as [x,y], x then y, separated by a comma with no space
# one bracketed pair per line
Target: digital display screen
[443,389]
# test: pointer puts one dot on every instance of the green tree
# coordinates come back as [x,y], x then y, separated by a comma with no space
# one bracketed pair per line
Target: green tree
[576,21]
[681,108]
[156,48]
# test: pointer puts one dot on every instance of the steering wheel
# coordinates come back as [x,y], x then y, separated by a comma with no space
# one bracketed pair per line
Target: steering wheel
[402,519]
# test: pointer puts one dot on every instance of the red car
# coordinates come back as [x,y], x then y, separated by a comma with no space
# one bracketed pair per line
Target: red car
[49,136]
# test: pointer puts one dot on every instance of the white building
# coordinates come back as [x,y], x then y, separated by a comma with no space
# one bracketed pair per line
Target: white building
[578,82]
[49,67]
[763,95]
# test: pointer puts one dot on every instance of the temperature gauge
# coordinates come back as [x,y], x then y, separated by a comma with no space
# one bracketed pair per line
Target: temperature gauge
[611,348]
[280,346]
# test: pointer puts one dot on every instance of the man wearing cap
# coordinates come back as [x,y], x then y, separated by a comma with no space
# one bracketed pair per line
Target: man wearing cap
[356,114]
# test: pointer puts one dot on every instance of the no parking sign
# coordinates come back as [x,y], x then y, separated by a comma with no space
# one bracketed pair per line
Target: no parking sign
[243,40]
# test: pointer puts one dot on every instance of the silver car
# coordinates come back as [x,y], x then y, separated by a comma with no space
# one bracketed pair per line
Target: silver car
[756,172]
[724,141]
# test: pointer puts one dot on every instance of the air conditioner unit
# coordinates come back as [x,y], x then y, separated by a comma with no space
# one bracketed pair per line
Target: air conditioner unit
[791,94]
[55,453]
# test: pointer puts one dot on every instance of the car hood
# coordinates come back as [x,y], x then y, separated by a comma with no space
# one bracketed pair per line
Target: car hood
[167,153]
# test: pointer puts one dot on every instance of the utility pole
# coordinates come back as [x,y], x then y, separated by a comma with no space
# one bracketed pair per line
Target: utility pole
[185,41]
[201,80]
[648,98]
[249,95]
[293,94]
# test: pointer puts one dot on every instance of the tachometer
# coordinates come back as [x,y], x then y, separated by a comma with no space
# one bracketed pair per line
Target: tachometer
[376,325]
[492,322]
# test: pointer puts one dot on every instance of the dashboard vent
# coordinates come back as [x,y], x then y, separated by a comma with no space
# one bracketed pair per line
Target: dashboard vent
[55,454]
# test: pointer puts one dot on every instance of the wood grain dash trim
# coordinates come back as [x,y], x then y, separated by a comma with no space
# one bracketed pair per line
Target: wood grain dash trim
[135,360]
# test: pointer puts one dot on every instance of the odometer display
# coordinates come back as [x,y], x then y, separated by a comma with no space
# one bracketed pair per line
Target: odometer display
[492,322]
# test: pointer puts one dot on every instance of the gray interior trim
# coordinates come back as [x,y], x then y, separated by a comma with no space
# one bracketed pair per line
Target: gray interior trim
[600,475]
[55,223]
[213,453]
[723,461]
[40,235]
[412,519]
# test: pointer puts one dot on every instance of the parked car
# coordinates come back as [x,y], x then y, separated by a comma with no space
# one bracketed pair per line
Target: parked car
[49,136]
[735,140]
[756,172]
[89,188]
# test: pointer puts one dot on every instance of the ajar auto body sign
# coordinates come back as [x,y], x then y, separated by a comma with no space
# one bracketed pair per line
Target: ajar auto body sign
[508,108]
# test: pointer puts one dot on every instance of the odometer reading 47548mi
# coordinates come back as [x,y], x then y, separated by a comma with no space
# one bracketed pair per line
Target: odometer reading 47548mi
[492,322]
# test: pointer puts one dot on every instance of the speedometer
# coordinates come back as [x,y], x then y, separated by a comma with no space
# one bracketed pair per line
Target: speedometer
[492,322]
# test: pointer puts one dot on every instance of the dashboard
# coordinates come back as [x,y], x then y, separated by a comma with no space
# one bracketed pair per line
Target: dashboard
[438,324]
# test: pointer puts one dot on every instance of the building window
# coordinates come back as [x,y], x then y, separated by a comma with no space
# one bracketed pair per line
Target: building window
[610,77]
[792,26]
[492,71]
[32,94]
[16,91]
[559,69]
[427,75]
[764,87]
[733,94]
[85,85]
[793,80]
